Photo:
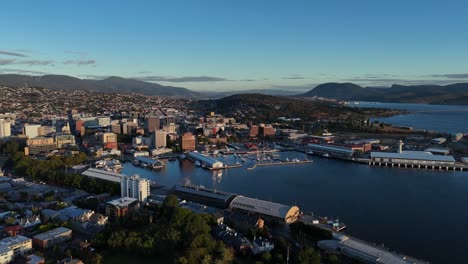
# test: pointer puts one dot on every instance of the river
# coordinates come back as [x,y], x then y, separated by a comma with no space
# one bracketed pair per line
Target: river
[418,212]
[441,118]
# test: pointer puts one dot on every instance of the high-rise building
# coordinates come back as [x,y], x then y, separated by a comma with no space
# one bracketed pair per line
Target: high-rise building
[5,128]
[188,141]
[171,127]
[160,139]
[108,140]
[79,126]
[31,130]
[116,128]
[135,187]
[129,128]
[153,123]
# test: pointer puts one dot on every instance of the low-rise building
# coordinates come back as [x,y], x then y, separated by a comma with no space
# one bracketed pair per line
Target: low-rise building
[65,140]
[261,245]
[121,207]
[20,245]
[52,237]
[6,254]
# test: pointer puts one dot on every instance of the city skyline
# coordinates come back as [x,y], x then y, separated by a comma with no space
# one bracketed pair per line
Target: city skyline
[237,46]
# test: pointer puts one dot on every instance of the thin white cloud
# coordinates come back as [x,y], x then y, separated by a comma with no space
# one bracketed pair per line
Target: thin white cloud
[10,53]
[79,62]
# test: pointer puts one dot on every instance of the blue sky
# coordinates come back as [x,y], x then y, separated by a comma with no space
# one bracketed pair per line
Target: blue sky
[235,45]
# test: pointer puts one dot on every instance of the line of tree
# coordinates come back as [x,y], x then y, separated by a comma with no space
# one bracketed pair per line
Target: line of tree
[176,233]
[53,170]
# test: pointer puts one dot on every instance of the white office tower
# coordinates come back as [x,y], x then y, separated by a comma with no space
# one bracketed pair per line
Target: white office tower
[160,139]
[135,187]
[5,128]
[31,131]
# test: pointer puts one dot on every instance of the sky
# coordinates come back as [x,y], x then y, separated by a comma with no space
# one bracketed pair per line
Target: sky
[224,45]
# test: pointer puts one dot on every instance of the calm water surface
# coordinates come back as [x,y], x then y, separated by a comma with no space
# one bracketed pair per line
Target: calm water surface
[419,212]
[442,118]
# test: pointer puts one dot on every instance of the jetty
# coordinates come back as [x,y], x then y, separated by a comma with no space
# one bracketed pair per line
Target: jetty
[279,163]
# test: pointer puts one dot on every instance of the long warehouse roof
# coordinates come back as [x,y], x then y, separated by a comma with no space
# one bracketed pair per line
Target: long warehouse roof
[103,175]
[204,158]
[261,207]
[413,155]
[197,190]
[332,147]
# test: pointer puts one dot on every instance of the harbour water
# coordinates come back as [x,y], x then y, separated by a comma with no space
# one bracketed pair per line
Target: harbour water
[442,118]
[417,212]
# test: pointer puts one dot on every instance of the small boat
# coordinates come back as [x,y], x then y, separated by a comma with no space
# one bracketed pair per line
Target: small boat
[326,155]
[197,163]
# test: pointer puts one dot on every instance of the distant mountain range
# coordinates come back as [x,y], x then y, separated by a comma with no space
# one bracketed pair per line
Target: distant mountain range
[428,94]
[111,84]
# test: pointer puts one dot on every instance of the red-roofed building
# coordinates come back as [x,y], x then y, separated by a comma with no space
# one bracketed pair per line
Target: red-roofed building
[14,230]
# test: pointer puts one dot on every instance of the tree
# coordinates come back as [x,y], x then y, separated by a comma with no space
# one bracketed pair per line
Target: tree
[333,259]
[307,255]
[171,201]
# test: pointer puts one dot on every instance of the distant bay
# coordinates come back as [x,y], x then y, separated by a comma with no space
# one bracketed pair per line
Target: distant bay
[440,118]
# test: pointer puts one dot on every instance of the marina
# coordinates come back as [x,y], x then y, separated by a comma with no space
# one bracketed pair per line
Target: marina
[149,163]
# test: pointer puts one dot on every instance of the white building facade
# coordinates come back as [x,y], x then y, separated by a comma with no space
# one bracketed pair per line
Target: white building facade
[135,187]
[5,128]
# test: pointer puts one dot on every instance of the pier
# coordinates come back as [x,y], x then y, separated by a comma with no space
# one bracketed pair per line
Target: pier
[279,163]
[446,167]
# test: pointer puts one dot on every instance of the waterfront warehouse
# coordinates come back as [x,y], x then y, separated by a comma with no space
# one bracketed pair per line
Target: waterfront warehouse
[207,161]
[203,195]
[412,158]
[267,210]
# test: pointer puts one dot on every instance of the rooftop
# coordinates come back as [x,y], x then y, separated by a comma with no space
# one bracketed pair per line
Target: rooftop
[197,190]
[122,202]
[4,249]
[205,159]
[8,241]
[380,255]
[52,233]
[332,147]
[261,207]
[413,155]
[103,175]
